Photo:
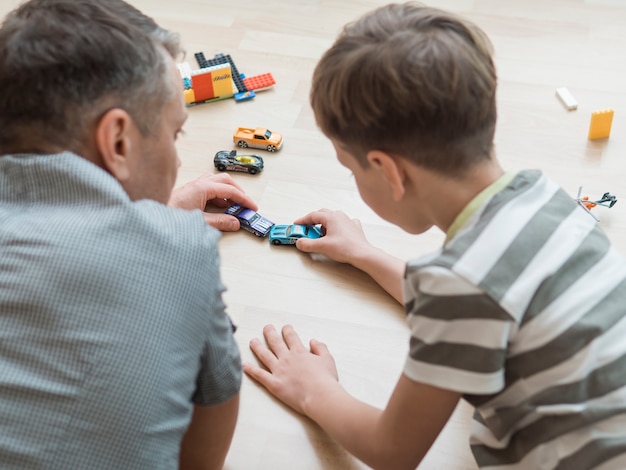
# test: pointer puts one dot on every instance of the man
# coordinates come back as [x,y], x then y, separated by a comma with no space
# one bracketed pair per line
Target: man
[115,348]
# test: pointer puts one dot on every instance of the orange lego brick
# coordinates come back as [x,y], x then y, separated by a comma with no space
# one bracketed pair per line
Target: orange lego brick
[259,82]
[600,124]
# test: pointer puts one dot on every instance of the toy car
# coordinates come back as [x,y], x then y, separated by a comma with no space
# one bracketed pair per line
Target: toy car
[250,220]
[290,234]
[260,138]
[229,160]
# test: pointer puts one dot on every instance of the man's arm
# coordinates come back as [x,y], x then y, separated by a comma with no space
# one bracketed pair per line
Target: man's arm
[345,242]
[397,437]
[208,438]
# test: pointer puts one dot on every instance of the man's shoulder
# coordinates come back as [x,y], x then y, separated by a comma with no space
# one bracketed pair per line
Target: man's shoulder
[178,226]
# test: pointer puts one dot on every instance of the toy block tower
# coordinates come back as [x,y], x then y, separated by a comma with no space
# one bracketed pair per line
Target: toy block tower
[212,83]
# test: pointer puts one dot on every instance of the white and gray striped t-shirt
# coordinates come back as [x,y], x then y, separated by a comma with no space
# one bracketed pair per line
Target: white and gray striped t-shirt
[523,311]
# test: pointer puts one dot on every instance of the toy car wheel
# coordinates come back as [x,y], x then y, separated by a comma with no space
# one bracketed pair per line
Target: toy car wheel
[271,148]
[253,171]
[243,144]
[221,167]
[276,242]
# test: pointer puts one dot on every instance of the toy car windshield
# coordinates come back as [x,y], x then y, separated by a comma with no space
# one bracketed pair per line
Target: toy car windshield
[248,214]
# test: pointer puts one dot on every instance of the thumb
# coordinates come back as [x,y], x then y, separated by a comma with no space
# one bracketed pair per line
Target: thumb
[223,222]
[305,245]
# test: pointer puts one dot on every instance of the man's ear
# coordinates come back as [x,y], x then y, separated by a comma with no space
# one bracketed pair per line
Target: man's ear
[114,142]
[392,171]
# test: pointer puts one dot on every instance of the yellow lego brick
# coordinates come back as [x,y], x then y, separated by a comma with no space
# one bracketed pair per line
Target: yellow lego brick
[600,125]
[190,96]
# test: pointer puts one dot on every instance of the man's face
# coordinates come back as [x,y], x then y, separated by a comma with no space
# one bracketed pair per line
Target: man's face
[155,171]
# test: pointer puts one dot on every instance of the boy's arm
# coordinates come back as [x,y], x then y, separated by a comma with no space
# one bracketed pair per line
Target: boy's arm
[345,242]
[397,437]
[208,437]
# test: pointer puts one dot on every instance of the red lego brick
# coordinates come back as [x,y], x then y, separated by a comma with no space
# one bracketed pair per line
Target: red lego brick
[259,82]
[202,86]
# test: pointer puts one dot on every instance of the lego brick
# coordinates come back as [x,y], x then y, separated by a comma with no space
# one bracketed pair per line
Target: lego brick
[202,86]
[259,82]
[202,62]
[214,82]
[245,96]
[600,124]
[568,100]
[219,59]
[185,69]
[190,96]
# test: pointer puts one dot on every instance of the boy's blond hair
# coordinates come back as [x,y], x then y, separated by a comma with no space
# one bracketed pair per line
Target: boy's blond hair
[414,81]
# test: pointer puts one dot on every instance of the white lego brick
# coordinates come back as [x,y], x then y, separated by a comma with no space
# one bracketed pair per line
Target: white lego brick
[566,98]
[185,69]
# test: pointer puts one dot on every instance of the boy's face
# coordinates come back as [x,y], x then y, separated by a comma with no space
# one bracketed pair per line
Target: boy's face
[371,187]
[382,196]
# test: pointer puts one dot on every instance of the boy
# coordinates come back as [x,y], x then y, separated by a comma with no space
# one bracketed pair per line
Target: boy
[520,312]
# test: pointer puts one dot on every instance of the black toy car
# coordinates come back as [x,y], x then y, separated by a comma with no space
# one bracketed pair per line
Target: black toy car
[229,160]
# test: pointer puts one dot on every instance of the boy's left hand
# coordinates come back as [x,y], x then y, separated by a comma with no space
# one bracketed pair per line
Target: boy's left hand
[292,373]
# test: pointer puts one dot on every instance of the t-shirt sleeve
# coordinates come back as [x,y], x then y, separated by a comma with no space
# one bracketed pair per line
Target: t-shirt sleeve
[459,334]
[219,376]
[220,365]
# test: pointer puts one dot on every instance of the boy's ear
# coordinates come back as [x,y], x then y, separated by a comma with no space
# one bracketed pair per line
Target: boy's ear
[114,142]
[391,169]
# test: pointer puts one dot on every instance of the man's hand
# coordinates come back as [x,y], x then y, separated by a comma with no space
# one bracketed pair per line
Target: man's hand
[219,191]
[292,372]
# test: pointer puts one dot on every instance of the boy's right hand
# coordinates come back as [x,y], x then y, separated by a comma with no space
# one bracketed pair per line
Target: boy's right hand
[343,240]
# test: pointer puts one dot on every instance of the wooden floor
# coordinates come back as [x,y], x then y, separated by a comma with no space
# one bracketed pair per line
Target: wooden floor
[540,45]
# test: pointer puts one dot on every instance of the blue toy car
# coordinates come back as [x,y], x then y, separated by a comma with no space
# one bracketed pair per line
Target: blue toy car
[290,234]
[229,160]
[250,220]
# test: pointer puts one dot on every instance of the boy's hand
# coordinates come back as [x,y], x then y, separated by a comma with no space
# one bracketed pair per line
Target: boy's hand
[218,190]
[343,240]
[292,373]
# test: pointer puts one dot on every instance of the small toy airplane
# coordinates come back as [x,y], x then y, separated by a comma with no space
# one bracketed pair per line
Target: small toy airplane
[607,200]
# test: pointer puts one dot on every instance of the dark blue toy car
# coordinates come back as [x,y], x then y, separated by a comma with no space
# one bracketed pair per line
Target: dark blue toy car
[250,220]
[290,234]
[229,160]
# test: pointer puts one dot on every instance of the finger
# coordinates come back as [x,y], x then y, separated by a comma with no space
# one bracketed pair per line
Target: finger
[275,341]
[232,193]
[259,374]
[210,179]
[263,354]
[292,340]
[307,245]
[223,222]
[313,218]
[318,348]
[218,202]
